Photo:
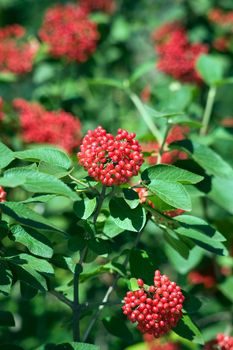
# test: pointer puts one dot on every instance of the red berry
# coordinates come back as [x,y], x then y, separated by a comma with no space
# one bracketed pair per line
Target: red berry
[222,342]
[159,311]
[140,282]
[116,166]
[2,195]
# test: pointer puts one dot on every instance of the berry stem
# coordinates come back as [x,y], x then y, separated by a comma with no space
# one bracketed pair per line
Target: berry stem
[62,298]
[208,110]
[146,117]
[163,142]
[99,204]
[110,290]
[76,305]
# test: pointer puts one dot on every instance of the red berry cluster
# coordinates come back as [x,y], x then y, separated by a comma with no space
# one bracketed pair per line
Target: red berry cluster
[108,159]
[222,18]
[108,6]
[176,55]
[195,277]
[16,55]
[156,309]
[222,342]
[177,133]
[224,23]
[41,126]
[69,32]
[2,195]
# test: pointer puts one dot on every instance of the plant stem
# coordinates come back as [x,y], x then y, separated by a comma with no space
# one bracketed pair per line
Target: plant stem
[147,119]
[77,181]
[108,293]
[76,305]
[99,204]
[208,110]
[62,298]
[163,143]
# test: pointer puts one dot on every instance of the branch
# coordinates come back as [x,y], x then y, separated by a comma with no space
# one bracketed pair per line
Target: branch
[109,291]
[76,305]
[62,298]
[99,204]
[208,110]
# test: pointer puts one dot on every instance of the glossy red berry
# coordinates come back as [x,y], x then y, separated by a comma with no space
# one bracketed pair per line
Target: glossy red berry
[2,195]
[156,310]
[108,159]
[222,342]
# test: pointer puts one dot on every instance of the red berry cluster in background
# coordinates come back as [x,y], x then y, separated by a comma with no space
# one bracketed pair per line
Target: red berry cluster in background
[156,309]
[2,195]
[196,277]
[176,55]
[53,127]
[16,55]
[223,22]
[222,342]
[158,344]
[177,133]
[69,32]
[108,159]
[108,6]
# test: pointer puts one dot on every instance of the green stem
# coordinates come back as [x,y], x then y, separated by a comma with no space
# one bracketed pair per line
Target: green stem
[208,110]
[99,204]
[109,291]
[163,143]
[76,305]
[147,119]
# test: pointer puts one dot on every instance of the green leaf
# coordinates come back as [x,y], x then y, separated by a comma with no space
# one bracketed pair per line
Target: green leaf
[125,217]
[173,193]
[131,198]
[170,173]
[85,208]
[191,303]
[202,234]
[74,346]
[115,325]
[107,82]
[142,265]
[6,155]
[133,284]
[153,113]
[180,263]
[226,287]
[27,216]
[36,243]
[187,329]
[48,154]
[40,199]
[39,265]
[210,68]
[5,278]
[27,292]
[222,193]
[8,77]
[37,182]
[141,70]
[183,120]
[111,229]
[6,319]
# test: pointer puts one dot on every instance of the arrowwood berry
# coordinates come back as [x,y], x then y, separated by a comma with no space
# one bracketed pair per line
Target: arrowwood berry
[2,195]
[222,342]
[69,32]
[108,6]
[108,159]
[195,277]
[177,133]
[176,55]
[156,310]
[41,126]
[16,55]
